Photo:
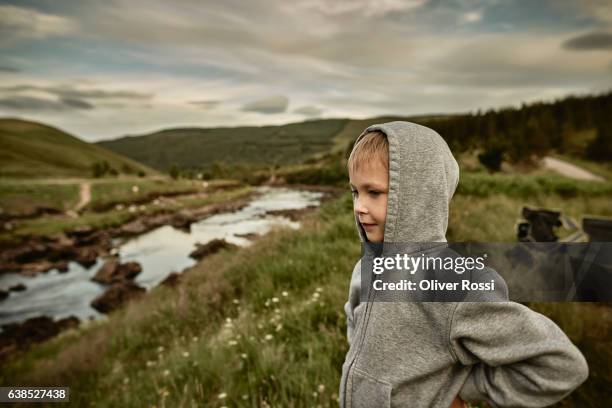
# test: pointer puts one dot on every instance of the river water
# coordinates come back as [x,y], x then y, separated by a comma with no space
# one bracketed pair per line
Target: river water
[159,252]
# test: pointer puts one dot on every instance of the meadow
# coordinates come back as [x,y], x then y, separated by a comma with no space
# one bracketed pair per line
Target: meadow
[265,326]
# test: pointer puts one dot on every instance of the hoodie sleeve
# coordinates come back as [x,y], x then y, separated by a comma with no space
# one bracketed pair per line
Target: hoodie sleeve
[519,357]
[353,301]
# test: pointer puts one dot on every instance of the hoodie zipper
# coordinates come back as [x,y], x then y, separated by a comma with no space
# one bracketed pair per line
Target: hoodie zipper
[366,318]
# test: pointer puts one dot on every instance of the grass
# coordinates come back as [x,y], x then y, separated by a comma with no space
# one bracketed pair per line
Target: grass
[303,353]
[106,195]
[200,148]
[30,149]
[482,184]
[22,199]
[227,335]
[53,225]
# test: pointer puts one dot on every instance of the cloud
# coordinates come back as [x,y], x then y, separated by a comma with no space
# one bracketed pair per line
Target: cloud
[9,69]
[472,16]
[590,42]
[67,91]
[205,104]
[310,111]
[368,8]
[272,104]
[21,23]
[76,103]
[33,104]
[211,64]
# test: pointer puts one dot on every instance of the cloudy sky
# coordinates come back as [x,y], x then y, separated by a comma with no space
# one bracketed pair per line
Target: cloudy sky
[103,69]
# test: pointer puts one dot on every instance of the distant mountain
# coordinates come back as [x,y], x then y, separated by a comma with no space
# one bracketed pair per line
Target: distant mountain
[30,149]
[199,148]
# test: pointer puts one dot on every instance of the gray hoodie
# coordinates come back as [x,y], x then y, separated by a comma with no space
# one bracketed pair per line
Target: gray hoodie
[423,354]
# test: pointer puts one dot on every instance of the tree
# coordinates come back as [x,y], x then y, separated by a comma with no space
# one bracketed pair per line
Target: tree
[174,172]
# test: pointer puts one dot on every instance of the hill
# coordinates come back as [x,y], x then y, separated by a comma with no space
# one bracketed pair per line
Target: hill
[199,148]
[577,126]
[30,149]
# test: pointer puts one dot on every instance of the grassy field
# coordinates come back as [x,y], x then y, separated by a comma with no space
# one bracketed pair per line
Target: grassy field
[20,198]
[265,325]
[111,202]
[33,150]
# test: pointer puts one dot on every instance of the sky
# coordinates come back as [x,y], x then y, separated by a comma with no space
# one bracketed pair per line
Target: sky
[105,69]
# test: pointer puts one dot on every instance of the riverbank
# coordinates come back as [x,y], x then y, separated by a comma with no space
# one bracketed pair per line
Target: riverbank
[158,246]
[268,326]
[85,239]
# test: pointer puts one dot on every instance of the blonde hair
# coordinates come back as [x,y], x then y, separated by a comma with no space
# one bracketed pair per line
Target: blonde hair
[372,146]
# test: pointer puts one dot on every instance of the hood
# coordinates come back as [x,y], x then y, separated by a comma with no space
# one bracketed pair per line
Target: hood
[423,176]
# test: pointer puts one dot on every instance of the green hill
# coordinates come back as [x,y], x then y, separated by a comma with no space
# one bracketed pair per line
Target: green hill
[199,148]
[575,125]
[30,149]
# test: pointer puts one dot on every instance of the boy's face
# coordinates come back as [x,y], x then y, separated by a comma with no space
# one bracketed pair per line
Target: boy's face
[370,188]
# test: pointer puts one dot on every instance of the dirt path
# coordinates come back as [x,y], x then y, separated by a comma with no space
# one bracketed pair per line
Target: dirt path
[569,170]
[84,197]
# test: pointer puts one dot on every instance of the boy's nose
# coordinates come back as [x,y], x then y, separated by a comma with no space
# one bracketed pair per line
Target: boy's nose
[360,208]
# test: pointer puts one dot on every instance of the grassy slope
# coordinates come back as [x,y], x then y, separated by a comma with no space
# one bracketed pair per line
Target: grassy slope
[285,144]
[29,149]
[178,348]
[199,147]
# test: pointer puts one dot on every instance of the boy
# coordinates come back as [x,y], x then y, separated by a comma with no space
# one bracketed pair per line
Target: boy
[436,354]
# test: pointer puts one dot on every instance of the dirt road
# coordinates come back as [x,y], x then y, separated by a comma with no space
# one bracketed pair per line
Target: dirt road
[569,170]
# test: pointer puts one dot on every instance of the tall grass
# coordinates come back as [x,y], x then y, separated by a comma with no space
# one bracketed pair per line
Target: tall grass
[264,325]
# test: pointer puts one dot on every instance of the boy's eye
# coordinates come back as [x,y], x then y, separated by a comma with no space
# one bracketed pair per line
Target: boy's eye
[353,192]
[374,193]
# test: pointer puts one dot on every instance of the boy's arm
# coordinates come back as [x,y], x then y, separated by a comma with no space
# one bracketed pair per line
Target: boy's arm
[353,301]
[519,357]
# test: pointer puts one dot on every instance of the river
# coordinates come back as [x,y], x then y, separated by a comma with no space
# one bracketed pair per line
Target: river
[160,251]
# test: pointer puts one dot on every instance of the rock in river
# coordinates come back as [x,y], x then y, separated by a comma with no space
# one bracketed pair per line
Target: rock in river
[210,248]
[113,271]
[117,295]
